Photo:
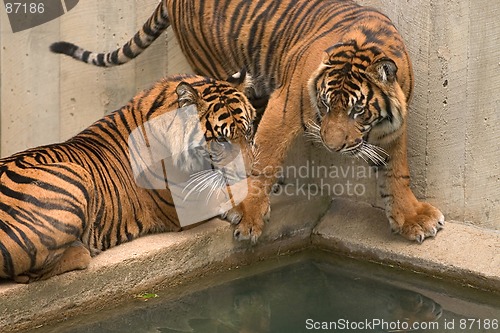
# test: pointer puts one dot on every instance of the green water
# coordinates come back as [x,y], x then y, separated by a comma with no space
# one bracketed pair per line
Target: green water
[311,292]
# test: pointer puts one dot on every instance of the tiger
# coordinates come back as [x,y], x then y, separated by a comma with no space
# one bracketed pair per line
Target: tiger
[63,203]
[332,69]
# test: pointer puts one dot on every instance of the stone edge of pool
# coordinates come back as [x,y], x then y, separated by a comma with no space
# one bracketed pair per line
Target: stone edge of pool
[463,253]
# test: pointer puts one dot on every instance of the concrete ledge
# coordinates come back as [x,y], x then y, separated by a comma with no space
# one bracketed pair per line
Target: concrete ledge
[462,253]
[156,260]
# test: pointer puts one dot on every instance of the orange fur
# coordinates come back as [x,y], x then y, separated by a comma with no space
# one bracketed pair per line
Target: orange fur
[63,202]
[316,62]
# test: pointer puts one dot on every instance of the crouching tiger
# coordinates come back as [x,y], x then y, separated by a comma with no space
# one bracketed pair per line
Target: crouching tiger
[60,204]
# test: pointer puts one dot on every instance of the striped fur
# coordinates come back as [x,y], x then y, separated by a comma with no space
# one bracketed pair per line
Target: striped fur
[334,68]
[61,202]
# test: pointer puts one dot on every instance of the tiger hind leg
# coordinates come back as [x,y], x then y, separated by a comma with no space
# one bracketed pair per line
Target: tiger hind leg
[75,257]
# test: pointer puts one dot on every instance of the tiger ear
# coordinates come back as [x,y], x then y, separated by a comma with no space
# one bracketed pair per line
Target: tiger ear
[329,55]
[326,58]
[238,77]
[241,80]
[384,70]
[186,94]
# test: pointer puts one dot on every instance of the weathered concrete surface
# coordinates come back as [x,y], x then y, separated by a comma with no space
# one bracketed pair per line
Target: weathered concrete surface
[164,259]
[462,253]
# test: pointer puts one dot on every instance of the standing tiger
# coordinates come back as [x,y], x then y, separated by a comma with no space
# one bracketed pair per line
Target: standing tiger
[62,203]
[333,68]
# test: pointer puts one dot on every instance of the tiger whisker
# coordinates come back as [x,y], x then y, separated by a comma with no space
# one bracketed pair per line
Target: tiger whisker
[217,185]
[367,152]
[202,180]
[373,153]
[362,155]
[379,152]
[200,187]
[205,182]
[313,134]
[356,154]
[198,177]
[223,183]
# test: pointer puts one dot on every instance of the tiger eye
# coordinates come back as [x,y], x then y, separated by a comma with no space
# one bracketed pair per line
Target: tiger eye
[359,108]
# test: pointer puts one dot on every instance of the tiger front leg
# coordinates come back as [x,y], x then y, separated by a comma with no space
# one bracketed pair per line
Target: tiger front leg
[250,216]
[413,219]
[275,134]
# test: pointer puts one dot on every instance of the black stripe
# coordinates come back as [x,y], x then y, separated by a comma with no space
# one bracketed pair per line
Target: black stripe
[114,58]
[99,61]
[138,41]
[127,51]
[224,116]
[388,106]
[8,264]
[158,102]
[85,56]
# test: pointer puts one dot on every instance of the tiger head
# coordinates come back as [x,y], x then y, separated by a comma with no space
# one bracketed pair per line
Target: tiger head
[225,120]
[358,100]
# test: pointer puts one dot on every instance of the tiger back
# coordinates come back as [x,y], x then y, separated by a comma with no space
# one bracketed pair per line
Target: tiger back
[62,203]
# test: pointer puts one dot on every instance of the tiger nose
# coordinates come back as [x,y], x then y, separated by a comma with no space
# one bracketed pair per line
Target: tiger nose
[340,140]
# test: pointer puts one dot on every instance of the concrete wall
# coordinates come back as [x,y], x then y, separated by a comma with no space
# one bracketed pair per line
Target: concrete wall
[47,98]
[454,121]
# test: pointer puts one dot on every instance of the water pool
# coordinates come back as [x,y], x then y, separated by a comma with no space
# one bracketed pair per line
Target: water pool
[309,292]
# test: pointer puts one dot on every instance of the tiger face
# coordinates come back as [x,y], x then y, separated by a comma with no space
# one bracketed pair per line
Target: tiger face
[358,101]
[226,122]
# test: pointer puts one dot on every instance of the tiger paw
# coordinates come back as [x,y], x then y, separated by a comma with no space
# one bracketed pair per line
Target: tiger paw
[421,222]
[250,218]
